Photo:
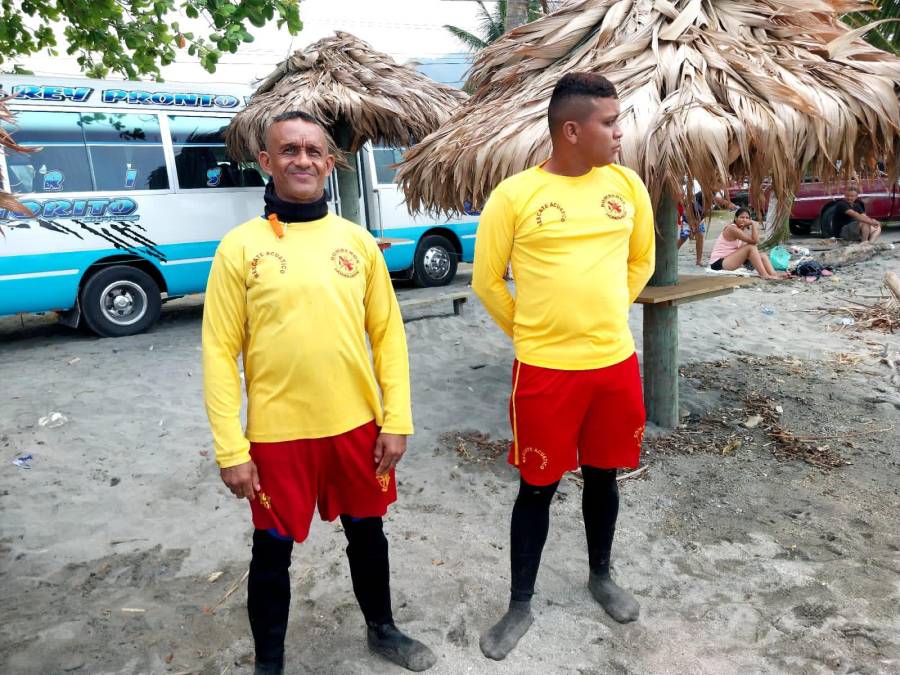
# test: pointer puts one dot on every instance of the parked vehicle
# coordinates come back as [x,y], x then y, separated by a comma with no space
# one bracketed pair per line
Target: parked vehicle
[130,189]
[813,207]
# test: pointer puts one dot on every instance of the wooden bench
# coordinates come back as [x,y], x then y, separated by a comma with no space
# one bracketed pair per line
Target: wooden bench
[692,287]
[661,337]
[458,298]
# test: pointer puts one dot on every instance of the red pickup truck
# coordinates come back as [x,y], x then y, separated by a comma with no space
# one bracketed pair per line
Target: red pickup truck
[813,207]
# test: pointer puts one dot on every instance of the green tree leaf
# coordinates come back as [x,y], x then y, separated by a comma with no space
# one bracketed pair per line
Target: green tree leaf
[135,37]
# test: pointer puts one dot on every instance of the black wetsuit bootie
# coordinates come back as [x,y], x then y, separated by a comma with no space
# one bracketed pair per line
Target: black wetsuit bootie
[503,636]
[618,603]
[269,668]
[388,641]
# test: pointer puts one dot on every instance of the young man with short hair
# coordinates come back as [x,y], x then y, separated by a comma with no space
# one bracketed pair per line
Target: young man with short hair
[578,230]
[296,293]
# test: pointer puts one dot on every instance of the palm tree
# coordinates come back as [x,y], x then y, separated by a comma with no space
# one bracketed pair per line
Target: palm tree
[492,26]
[885,36]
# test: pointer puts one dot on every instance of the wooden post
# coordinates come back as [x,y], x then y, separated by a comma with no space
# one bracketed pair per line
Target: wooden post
[661,325]
[348,180]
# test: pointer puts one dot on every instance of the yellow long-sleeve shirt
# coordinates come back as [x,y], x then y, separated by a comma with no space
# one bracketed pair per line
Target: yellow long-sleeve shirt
[299,309]
[581,249]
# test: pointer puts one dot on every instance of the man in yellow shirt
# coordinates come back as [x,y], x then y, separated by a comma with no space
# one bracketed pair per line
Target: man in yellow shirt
[578,232]
[295,294]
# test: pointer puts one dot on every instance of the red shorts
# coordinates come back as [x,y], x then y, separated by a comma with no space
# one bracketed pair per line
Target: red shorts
[562,419]
[336,472]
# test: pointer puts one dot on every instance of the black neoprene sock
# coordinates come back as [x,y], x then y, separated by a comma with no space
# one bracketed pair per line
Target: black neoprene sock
[600,507]
[367,553]
[269,598]
[528,534]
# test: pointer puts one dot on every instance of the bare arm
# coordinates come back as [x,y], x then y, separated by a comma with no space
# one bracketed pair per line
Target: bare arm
[862,218]
[733,232]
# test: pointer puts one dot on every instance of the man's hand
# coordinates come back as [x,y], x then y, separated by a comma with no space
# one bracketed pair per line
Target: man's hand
[389,448]
[242,480]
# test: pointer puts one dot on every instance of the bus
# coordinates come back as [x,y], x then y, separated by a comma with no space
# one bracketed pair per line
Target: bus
[128,190]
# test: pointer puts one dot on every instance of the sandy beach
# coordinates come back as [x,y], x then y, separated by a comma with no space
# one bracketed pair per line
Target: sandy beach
[750,551]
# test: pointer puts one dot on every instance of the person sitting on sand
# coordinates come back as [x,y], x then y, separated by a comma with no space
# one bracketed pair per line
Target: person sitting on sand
[850,219]
[298,292]
[737,244]
[579,232]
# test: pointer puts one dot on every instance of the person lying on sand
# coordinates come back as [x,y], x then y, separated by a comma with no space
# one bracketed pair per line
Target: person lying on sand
[298,292]
[737,244]
[579,232]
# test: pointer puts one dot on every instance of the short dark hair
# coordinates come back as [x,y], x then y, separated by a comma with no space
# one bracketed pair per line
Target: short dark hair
[740,211]
[570,88]
[296,115]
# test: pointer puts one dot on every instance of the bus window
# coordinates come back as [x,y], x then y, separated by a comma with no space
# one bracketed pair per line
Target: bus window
[126,151]
[62,163]
[200,156]
[384,159]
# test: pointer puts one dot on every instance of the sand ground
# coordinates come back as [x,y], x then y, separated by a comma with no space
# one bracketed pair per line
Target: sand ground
[119,546]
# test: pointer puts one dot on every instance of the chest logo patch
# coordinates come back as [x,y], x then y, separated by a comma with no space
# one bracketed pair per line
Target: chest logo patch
[346,262]
[259,257]
[614,206]
[561,212]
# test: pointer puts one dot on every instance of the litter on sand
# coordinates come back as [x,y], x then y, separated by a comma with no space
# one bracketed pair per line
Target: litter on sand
[23,461]
[53,420]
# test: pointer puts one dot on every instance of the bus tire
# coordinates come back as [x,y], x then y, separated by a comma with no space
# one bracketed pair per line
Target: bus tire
[435,261]
[119,301]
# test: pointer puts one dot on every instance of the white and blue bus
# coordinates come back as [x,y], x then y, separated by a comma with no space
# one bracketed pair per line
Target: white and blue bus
[129,190]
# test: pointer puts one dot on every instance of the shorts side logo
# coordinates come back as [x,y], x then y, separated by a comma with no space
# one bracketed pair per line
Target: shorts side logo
[639,435]
[264,500]
[540,453]
[384,481]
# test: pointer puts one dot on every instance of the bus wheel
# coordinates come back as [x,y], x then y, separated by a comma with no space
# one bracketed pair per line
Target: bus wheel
[119,301]
[435,261]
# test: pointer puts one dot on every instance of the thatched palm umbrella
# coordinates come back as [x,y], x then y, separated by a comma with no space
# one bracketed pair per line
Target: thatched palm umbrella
[359,93]
[708,88]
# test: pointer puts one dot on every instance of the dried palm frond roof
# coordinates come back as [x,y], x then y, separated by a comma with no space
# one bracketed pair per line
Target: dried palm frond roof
[7,201]
[708,89]
[342,79]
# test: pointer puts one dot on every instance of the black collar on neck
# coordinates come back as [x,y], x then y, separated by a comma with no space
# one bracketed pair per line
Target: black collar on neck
[293,212]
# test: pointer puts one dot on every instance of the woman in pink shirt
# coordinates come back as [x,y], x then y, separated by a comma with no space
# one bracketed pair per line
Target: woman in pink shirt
[737,244]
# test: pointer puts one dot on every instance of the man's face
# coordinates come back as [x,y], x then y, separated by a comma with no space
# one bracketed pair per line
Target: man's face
[599,136]
[851,194]
[296,156]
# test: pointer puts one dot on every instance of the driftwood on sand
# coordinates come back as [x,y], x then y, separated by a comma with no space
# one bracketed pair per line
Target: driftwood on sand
[854,253]
[892,281]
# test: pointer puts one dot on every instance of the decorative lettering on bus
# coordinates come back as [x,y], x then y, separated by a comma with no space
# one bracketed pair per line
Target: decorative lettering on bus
[163,98]
[90,210]
[33,92]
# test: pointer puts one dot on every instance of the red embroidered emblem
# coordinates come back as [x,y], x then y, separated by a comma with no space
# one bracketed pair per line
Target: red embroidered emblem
[614,205]
[346,262]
